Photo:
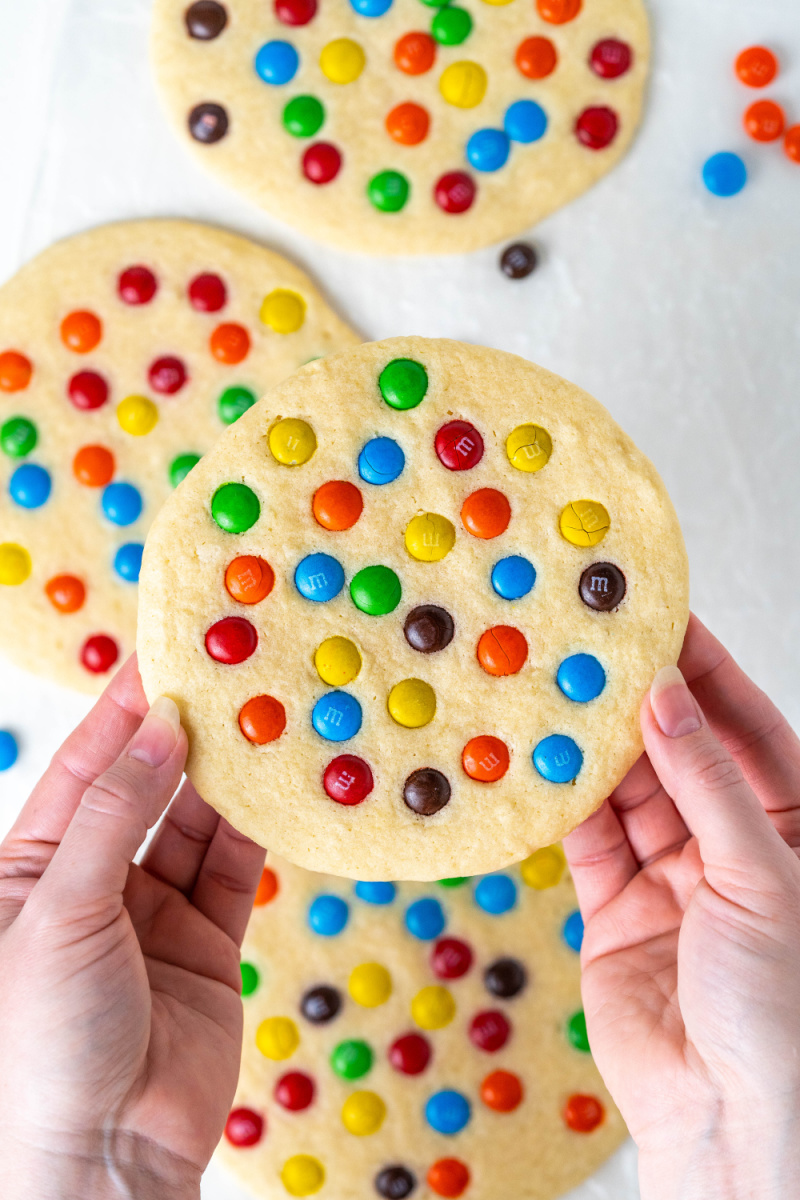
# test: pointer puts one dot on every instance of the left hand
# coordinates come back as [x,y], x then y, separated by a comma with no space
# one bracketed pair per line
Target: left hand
[120,1016]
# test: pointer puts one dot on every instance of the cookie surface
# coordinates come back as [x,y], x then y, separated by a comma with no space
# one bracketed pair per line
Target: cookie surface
[402,127]
[124,353]
[417,1040]
[409,607]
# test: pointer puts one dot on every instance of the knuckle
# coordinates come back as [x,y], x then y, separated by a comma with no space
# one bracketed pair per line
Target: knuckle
[114,793]
[714,770]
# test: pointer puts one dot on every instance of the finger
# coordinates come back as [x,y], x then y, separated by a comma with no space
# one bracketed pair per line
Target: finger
[652,823]
[88,871]
[228,878]
[600,859]
[176,853]
[748,725]
[742,852]
[86,753]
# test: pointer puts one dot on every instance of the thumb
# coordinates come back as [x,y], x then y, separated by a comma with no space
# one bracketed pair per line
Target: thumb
[738,843]
[90,867]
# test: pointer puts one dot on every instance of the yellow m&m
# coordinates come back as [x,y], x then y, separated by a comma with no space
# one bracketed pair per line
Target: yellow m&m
[363,1113]
[585,522]
[544,868]
[433,1008]
[430,537]
[463,84]
[342,60]
[277,1038]
[337,661]
[137,415]
[283,311]
[529,447]
[302,1175]
[15,564]
[370,985]
[412,703]
[292,441]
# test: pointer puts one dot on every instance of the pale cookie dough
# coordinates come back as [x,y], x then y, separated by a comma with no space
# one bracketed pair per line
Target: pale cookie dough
[365,124]
[310,748]
[417,1040]
[124,353]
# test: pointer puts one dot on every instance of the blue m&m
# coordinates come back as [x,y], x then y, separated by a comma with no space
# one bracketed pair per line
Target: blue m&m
[337,716]
[8,750]
[30,486]
[328,915]
[381,461]
[525,121]
[319,577]
[128,561]
[375,893]
[488,149]
[277,62]
[447,1111]
[724,174]
[557,758]
[581,677]
[371,8]
[425,919]
[513,577]
[572,931]
[122,503]
[496,894]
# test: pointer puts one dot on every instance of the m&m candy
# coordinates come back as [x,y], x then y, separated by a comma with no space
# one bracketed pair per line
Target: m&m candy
[496,894]
[381,461]
[337,716]
[319,577]
[231,640]
[9,751]
[348,779]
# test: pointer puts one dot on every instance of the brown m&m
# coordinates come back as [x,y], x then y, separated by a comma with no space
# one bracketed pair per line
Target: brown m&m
[602,587]
[518,260]
[429,628]
[205,20]
[208,123]
[426,791]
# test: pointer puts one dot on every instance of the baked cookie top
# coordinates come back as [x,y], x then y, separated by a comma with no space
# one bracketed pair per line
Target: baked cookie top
[124,353]
[413,1040]
[409,606]
[402,126]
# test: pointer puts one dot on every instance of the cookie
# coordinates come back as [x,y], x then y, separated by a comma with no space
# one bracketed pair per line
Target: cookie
[409,607]
[417,1040]
[401,126]
[124,353]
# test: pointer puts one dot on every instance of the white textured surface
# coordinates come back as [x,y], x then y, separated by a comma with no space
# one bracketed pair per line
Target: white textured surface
[679,311]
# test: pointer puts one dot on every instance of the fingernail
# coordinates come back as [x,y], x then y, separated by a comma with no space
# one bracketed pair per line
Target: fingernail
[674,707]
[155,738]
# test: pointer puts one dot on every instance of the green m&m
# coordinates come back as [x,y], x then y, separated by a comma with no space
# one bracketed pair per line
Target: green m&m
[456,881]
[235,507]
[451,26]
[403,383]
[351,1059]
[18,437]
[576,1031]
[388,191]
[233,402]
[180,467]
[249,978]
[376,590]
[303,116]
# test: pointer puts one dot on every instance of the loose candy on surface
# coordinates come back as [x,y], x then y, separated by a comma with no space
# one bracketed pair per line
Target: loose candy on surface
[724,174]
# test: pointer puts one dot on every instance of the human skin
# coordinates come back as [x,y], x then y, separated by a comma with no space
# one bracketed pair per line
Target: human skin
[120,1017]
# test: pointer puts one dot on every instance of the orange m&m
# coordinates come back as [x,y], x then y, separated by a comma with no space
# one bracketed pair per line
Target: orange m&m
[408,124]
[791,143]
[502,1091]
[764,121]
[230,343]
[558,12]
[337,505]
[583,1113]
[536,57]
[81,331]
[448,1177]
[249,579]
[486,513]
[15,371]
[65,593]
[414,53]
[262,719]
[756,66]
[93,466]
[502,650]
[485,758]
[267,888]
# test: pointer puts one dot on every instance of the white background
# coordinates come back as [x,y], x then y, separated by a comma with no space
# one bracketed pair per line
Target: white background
[678,310]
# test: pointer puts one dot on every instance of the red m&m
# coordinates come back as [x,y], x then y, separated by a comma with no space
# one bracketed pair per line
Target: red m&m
[244,1127]
[87,390]
[410,1054]
[137,285]
[99,653]
[167,375]
[231,640]
[459,446]
[450,958]
[348,779]
[207,293]
[321,163]
[611,58]
[597,127]
[295,12]
[294,1091]
[455,192]
[489,1030]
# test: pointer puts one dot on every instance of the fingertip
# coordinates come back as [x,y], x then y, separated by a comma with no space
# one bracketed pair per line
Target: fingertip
[674,708]
[159,734]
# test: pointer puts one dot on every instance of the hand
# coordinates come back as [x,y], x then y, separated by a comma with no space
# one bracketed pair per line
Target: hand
[120,1017]
[689,882]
